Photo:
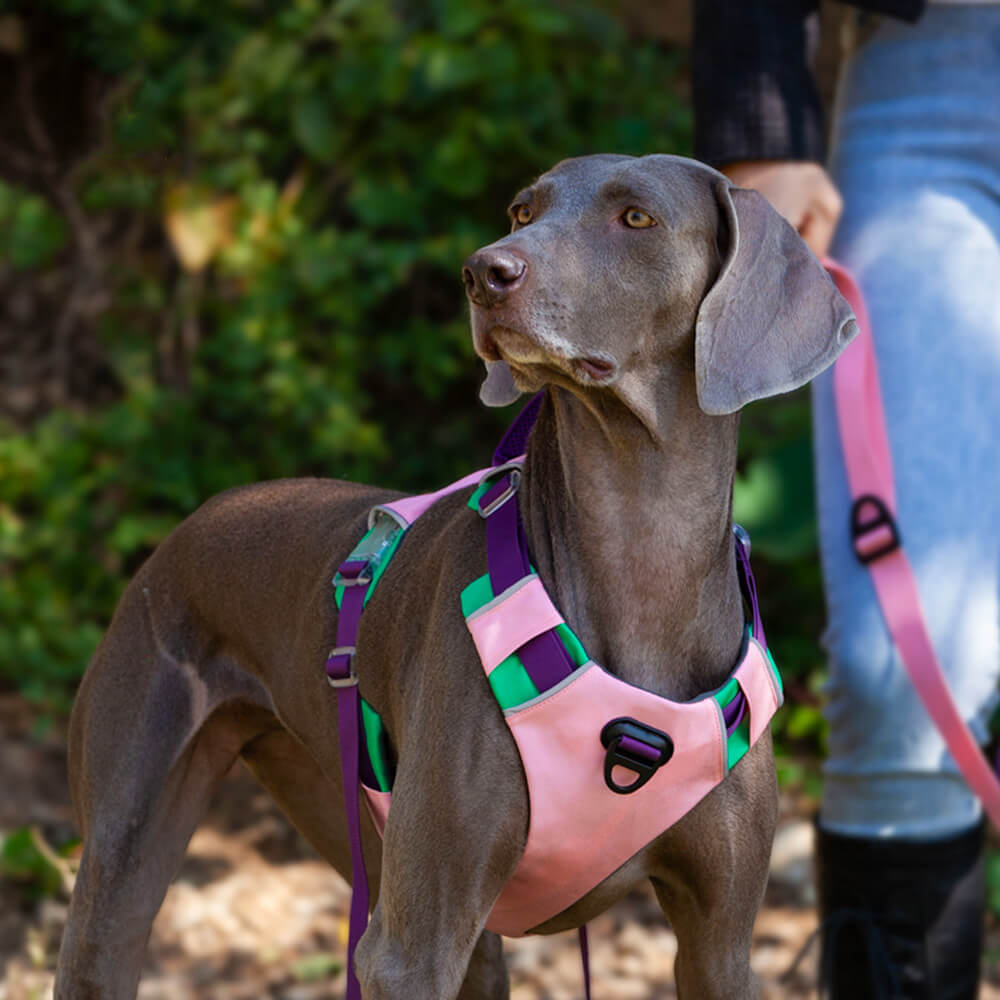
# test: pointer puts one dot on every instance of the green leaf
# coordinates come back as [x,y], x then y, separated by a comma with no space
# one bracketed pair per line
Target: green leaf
[313,122]
[21,860]
[314,968]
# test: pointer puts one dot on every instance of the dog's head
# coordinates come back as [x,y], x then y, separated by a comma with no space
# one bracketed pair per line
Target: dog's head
[617,268]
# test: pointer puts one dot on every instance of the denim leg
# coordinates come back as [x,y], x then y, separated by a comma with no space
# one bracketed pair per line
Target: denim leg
[916,154]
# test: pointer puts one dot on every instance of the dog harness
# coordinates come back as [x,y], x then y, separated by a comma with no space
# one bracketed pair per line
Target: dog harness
[876,543]
[609,766]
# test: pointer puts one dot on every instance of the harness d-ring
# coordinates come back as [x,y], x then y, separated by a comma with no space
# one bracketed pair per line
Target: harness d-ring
[636,746]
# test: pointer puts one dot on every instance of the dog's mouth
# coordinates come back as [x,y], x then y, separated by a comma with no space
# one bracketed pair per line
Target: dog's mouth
[524,354]
[596,369]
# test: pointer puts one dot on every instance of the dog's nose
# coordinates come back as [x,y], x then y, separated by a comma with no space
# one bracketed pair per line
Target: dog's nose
[490,275]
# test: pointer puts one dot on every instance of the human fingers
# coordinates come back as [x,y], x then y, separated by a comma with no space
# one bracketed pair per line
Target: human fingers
[800,191]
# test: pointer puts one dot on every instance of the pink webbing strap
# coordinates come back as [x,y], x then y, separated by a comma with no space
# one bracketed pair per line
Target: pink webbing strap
[865,444]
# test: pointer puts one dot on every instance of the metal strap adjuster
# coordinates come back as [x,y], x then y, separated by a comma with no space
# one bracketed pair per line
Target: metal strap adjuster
[351,677]
[363,578]
[513,469]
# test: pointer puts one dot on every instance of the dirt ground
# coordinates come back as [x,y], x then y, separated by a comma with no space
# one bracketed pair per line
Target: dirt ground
[255,914]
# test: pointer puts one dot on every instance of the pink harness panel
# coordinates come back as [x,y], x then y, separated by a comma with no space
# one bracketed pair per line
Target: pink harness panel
[580,831]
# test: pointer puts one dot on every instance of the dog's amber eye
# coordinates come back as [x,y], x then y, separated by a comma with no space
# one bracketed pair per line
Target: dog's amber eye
[636,218]
[523,214]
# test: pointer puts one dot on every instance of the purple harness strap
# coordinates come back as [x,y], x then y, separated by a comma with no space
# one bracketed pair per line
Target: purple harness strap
[545,658]
[515,439]
[340,673]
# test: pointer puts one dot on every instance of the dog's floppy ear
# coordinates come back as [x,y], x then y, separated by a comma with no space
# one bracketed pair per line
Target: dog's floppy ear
[773,319]
[499,388]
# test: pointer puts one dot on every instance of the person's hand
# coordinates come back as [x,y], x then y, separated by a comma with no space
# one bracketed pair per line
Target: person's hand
[802,192]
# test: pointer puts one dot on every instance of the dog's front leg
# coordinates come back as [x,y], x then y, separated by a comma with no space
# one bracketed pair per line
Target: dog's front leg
[711,880]
[450,846]
[388,971]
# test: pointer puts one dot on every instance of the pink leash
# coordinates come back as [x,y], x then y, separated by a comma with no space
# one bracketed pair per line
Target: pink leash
[865,443]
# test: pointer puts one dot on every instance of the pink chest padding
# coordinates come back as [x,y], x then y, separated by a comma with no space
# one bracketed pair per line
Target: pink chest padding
[580,831]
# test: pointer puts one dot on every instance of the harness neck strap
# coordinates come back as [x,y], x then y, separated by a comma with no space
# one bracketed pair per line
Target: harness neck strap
[515,439]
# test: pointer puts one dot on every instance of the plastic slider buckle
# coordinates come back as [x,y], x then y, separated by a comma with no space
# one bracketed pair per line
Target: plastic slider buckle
[351,678]
[873,529]
[513,469]
[637,747]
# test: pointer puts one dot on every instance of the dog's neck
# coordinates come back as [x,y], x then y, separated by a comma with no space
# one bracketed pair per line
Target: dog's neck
[628,521]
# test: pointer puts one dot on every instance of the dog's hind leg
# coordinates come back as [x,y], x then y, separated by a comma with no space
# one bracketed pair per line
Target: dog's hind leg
[151,737]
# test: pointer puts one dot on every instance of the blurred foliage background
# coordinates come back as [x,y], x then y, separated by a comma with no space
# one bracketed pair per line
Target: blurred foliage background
[230,243]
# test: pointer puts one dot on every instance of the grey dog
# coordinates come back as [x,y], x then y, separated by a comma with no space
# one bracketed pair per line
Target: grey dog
[653,299]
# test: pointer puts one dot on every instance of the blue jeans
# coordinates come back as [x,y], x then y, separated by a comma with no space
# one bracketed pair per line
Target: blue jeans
[916,155]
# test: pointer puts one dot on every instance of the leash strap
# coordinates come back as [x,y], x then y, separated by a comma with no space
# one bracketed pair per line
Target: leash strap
[865,442]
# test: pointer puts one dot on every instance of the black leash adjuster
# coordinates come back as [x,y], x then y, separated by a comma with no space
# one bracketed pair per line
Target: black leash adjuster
[635,746]
[869,514]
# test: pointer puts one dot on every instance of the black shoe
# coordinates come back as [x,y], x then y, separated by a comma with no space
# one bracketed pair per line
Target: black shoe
[900,919]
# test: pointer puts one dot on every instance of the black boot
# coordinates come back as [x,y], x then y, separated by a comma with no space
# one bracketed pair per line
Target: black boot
[900,919]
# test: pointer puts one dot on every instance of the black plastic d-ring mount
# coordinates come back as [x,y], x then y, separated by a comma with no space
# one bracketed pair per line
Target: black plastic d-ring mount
[636,746]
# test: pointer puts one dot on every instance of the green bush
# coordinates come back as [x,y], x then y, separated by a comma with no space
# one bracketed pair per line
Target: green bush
[322,169]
